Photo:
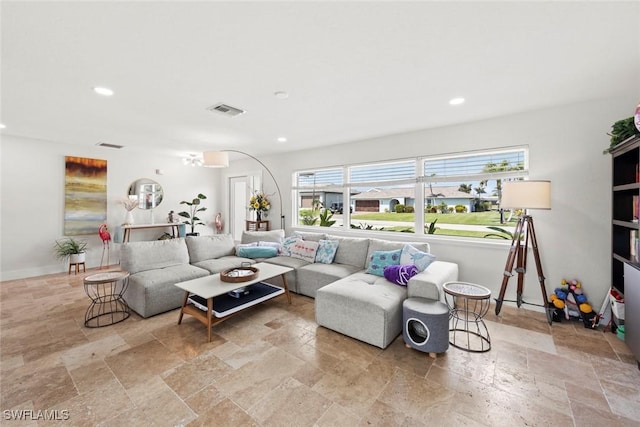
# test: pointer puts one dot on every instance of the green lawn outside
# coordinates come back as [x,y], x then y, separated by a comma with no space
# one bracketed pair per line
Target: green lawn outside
[472,218]
[443,232]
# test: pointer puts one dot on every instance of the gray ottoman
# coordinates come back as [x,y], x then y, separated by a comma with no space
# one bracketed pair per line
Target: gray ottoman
[425,325]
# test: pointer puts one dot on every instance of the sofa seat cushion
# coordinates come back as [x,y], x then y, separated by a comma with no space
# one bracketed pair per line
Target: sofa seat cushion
[152,292]
[208,247]
[314,276]
[363,306]
[150,255]
[287,261]
[214,266]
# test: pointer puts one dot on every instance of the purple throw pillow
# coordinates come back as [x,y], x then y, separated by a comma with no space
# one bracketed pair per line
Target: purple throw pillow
[400,274]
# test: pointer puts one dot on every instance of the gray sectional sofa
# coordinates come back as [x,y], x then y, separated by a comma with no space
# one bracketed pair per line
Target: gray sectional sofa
[156,266]
[348,299]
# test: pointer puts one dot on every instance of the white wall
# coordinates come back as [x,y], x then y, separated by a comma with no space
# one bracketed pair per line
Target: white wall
[566,145]
[32,190]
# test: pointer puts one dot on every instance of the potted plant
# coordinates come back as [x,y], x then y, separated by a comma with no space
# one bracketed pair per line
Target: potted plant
[621,131]
[194,208]
[71,249]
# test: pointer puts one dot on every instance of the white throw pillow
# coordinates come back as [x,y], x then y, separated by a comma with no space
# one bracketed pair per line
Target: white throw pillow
[305,250]
[411,255]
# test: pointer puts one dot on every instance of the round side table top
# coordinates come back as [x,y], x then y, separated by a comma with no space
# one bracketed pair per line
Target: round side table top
[466,289]
[106,277]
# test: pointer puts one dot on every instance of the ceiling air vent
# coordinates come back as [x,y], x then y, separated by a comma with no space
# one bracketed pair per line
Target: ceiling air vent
[105,144]
[227,110]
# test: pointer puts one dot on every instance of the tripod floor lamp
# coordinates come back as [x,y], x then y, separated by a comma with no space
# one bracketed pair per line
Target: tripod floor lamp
[220,159]
[524,195]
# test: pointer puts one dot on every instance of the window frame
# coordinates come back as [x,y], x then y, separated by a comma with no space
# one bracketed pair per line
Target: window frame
[418,181]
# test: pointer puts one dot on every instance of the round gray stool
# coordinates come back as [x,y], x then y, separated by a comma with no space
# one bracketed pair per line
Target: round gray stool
[425,325]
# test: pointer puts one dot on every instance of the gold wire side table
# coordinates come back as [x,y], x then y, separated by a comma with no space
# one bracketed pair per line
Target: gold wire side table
[106,291]
[468,303]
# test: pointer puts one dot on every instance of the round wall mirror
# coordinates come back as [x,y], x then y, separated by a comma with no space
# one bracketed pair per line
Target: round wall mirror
[148,193]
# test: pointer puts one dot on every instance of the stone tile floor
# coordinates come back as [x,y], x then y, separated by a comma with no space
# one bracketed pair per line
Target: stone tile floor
[273,366]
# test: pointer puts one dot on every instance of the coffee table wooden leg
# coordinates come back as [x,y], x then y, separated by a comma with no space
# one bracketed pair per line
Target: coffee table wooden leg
[209,316]
[286,288]
[184,304]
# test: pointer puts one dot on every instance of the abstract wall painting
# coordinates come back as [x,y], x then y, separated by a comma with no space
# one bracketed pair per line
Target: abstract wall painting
[85,200]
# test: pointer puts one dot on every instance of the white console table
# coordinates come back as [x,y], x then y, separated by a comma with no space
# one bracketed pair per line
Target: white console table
[123,232]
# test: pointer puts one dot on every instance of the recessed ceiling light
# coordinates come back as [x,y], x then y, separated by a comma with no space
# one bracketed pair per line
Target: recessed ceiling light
[105,91]
[282,139]
[456,101]
[281,94]
[2,126]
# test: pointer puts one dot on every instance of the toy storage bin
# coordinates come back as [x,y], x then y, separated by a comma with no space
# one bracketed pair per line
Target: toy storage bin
[617,310]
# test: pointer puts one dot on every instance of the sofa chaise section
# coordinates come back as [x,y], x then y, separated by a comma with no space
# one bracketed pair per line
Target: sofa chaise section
[368,307]
[155,267]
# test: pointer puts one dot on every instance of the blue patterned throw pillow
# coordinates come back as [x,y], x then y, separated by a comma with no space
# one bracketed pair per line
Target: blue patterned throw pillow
[327,251]
[380,259]
[411,255]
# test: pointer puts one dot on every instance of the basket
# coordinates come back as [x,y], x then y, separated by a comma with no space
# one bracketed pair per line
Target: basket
[239,274]
[617,308]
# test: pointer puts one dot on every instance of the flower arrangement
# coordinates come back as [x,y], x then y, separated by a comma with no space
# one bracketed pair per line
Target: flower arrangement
[259,203]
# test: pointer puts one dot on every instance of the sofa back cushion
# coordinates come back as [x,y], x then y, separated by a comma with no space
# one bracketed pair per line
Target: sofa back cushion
[202,248]
[386,245]
[351,250]
[310,236]
[150,255]
[262,236]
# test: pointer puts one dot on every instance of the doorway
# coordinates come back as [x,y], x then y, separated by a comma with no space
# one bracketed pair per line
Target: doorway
[240,189]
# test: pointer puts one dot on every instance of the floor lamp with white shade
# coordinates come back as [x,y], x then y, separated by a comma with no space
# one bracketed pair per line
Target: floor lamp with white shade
[220,159]
[524,195]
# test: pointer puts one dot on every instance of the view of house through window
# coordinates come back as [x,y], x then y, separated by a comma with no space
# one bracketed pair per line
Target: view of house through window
[453,195]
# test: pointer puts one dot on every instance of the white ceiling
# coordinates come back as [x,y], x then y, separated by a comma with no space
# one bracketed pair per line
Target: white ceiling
[352,70]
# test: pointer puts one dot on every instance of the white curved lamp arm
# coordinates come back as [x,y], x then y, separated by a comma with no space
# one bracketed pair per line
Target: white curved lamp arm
[282,221]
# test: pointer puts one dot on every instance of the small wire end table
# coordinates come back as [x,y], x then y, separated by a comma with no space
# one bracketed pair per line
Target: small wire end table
[106,291]
[468,303]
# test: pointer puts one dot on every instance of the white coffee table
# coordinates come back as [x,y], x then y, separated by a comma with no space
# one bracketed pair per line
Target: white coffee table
[210,287]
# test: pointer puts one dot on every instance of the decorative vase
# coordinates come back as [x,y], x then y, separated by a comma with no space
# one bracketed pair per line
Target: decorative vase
[128,219]
[258,216]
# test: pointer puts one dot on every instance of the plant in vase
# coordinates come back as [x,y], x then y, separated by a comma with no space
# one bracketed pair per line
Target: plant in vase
[71,249]
[259,203]
[194,208]
[129,204]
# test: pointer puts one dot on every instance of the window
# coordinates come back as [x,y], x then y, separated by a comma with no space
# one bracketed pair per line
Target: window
[455,195]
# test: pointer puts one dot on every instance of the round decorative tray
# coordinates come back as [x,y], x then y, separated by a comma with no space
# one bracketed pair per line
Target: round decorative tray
[239,274]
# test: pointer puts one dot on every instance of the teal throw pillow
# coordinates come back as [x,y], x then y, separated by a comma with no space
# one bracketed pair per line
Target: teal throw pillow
[381,259]
[327,251]
[257,252]
[411,255]
[244,245]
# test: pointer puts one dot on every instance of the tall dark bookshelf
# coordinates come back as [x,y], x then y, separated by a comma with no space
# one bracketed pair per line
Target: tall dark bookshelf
[625,265]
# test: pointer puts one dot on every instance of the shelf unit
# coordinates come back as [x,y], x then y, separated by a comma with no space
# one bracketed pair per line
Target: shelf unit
[257,225]
[625,258]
